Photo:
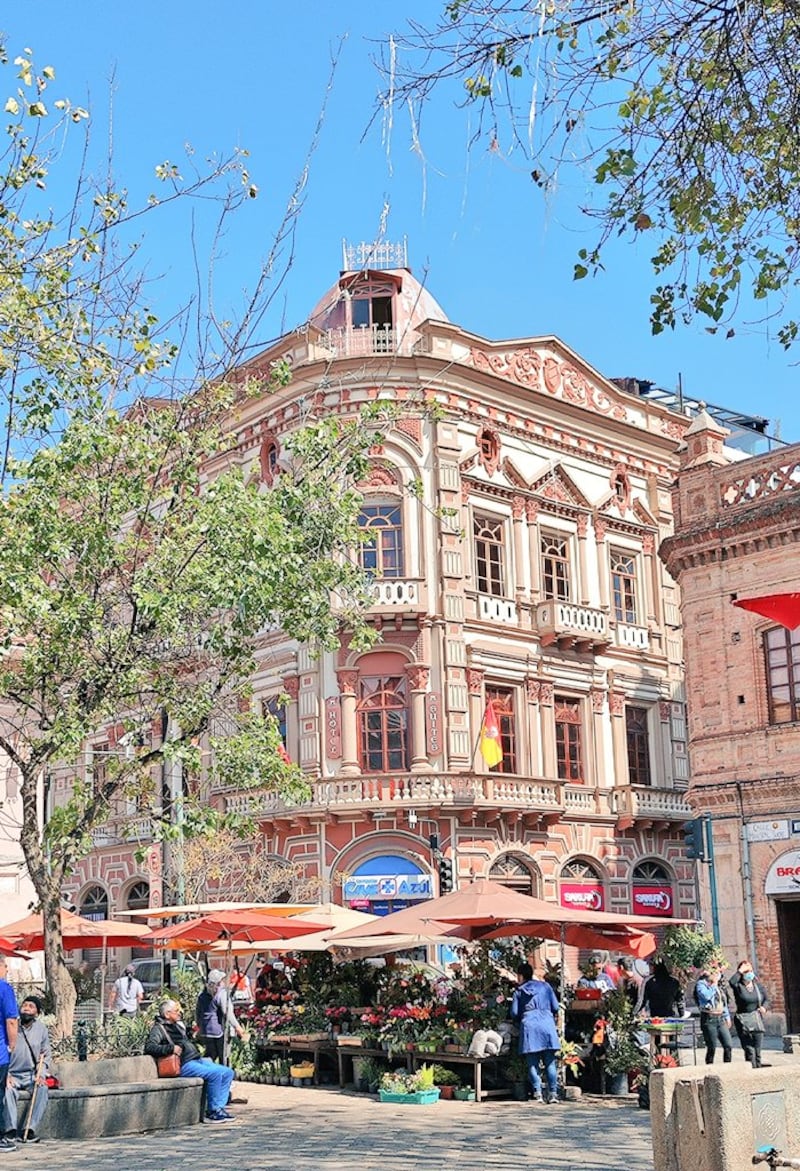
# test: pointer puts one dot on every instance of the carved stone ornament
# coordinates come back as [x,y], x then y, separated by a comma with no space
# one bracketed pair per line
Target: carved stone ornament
[517,507]
[664,711]
[474,681]
[379,477]
[348,681]
[546,694]
[616,703]
[600,528]
[532,511]
[291,685]
[583,525]
[648,544]
[598,699]
[533,689]
[488,449]
[418,676]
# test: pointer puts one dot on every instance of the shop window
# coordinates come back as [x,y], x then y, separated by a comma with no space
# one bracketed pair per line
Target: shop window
[623,584]
[638,743]
[782,650]
[502,700]
[488,534]
[569,751]
[555,567]
[381,555]
[383,724]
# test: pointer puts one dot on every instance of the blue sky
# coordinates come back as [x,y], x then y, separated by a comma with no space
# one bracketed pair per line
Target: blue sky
[497,259]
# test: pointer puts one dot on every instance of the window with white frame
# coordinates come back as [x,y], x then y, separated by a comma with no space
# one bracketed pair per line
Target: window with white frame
[381,555]
[489,542]
[623,585]
[555,553]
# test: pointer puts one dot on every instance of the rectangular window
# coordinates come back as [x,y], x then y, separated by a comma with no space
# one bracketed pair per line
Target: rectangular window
[638,741]
[555,567]
[623,584]
[569,755]
[782,650]
[488,535]
[382,554]
[502,699]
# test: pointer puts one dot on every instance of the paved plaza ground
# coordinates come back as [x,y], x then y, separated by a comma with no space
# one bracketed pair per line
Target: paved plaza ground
[323,1128]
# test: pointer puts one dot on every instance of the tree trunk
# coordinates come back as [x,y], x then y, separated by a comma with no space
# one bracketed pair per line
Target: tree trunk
[48,889]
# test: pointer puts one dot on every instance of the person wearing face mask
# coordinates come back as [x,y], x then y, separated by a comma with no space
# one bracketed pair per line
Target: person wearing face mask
[30,1065]
[751,1005]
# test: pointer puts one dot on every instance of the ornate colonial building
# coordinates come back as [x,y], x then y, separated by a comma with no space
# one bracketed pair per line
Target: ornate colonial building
[512,540]
[737,528]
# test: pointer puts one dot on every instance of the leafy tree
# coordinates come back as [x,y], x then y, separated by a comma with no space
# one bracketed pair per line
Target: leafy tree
[224,865]
[685,113]
[139,560]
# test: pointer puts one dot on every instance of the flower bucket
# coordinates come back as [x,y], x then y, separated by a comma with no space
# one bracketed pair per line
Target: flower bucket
[419,1098]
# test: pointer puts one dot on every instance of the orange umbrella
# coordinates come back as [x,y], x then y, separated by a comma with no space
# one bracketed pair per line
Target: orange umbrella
[230,926]
[76,932]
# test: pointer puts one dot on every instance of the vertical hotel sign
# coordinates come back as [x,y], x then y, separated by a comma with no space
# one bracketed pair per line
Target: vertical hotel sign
[433,722]
[155,876]
[333,728]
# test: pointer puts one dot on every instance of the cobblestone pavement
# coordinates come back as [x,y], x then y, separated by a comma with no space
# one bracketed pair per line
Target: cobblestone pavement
[322,1129]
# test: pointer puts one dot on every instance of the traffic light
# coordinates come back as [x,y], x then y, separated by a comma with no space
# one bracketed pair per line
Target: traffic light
[445,875]
[694,839]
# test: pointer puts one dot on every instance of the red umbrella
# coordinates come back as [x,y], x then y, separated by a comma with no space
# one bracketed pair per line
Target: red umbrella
[231,926]
[782,608]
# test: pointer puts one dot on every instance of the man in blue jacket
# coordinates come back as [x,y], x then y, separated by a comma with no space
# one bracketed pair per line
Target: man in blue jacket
[533,1008]
[9,1028]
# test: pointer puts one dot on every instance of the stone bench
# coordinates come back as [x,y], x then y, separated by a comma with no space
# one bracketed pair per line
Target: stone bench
[120,1095]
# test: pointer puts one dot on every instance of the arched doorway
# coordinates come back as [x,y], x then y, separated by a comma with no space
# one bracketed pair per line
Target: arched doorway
[509,870]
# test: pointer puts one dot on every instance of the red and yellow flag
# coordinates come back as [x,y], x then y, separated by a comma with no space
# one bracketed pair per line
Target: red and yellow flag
[491,743]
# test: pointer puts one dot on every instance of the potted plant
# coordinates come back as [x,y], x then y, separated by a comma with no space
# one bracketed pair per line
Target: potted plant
[625,1053]
[370,1072]
[447,1080]
[417,1088]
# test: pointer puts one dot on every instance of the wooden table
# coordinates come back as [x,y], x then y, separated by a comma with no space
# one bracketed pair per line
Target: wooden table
[288,1046]
[477,1063]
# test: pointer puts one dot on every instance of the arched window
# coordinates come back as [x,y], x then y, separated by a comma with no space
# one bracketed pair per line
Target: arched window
[268,458]
[94,904]
[650,872]
[139,896]
[383,723]
[510,871]
[580,871]
[381,555]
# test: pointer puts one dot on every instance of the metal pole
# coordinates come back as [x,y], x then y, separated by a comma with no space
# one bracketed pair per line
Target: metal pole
[708,828]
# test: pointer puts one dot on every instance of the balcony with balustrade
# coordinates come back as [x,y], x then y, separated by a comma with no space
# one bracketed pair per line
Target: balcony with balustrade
[647,807]
[572,627]
[468,796]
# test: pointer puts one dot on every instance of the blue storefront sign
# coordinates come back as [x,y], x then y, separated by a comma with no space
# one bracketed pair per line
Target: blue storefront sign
[388,886]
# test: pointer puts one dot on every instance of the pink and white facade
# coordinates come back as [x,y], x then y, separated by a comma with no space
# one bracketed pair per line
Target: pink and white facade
[513,542]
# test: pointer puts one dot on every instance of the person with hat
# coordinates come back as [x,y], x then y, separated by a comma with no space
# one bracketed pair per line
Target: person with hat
[594,976]
[127,993]
[215,1017]
[28,1070]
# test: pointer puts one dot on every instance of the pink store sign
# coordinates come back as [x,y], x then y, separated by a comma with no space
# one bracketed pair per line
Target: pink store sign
[652,900]
[582,896]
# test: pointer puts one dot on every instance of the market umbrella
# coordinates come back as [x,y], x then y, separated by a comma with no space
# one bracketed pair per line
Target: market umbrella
[333,917]
[192,910]
[76,932]
[782,608]
[229,926]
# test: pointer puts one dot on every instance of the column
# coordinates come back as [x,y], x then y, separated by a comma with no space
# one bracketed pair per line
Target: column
[348,683]
[476,706]
[583,569]
[548,731]
[602,560]
[291,685]
[418,676]
[520,576]
[532,517]
[598,698]
[651,583]
[666,772]
[619,739]
[532,690]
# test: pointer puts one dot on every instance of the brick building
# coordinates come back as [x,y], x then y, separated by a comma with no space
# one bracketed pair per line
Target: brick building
[513,543]
[737,528]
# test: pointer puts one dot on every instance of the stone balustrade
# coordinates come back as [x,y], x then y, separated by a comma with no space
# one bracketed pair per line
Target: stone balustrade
[650,804]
